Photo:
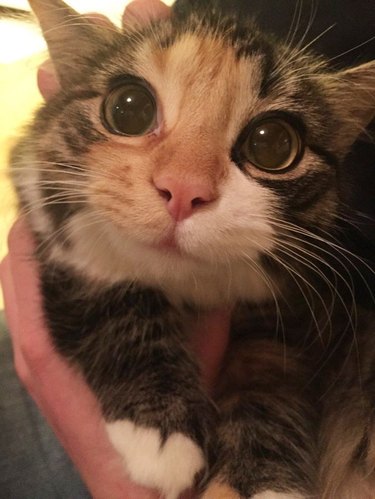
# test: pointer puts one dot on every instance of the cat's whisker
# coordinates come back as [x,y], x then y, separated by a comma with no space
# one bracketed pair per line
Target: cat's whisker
[337,256]
[352,323]
[356,47]
[351,314]
[77,21]
[311,235]
[51,238]
[321,244]
[340,372]
[318,37]
[47,174]
[285,240]
[289,249]
[297,277]
[294,275]
[66,169]
[44,246]
[294,26]
[339,250]
[296,53]
[273,288]
[271,285]
[63,187]
[353,220]
[296,256]
[57,198]
[310,22]
[69,183]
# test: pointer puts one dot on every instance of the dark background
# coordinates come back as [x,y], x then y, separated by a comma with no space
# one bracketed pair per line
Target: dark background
[352,21]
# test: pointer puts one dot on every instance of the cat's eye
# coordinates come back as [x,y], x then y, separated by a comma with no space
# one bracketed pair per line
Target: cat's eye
[272,144]
[130,109]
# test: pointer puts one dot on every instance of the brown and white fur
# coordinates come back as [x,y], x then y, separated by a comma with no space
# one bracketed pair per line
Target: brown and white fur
[125,270]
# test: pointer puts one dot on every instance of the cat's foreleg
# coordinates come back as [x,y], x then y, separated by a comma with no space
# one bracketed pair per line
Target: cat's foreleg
[160,423]
[131,349]
[156,416]
[347,439]
[267,434]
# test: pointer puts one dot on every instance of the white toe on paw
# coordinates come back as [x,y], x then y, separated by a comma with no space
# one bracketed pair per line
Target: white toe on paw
[169,467]
[269,494]
[220,490]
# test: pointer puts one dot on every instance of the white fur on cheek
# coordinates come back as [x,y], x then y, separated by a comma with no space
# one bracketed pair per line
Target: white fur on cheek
[169,467]
[27,180]
[238,226]
[278,495]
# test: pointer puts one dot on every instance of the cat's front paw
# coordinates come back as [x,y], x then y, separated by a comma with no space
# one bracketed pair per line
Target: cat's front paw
[218,490]
[269,494]
[221,490]
[169,465]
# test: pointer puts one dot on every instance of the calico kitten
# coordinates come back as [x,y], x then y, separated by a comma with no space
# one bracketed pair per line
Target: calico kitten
[190,164]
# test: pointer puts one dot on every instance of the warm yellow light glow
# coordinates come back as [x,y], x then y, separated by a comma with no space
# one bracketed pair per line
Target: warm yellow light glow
[111,8]
[19,40]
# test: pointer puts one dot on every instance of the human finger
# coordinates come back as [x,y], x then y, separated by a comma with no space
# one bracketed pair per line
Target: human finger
[47,81]
[24,272]
[11,316]
[143,11]
[9,295]
[209,342]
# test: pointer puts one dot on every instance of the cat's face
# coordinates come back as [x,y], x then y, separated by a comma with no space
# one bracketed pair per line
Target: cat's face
[188,145]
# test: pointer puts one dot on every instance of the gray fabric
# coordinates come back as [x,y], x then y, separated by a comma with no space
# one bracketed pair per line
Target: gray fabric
[32,463]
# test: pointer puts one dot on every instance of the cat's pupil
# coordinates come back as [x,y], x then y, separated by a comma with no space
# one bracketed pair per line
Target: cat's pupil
[272,145]
[130,110]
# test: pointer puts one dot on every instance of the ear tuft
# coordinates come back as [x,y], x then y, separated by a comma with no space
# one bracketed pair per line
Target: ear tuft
[72,38]
[352,95]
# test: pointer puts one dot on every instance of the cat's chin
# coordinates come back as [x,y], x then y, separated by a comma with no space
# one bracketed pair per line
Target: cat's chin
[184,273]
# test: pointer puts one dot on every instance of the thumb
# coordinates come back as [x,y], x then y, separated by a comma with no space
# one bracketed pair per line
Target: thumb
[209,342]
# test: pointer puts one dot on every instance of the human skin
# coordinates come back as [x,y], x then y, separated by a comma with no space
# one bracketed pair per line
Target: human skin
[58,388]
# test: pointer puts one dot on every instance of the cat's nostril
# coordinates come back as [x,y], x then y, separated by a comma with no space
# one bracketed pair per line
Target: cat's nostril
[165,194]
[198,202]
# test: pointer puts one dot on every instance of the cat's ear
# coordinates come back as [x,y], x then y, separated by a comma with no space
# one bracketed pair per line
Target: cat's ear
[352,94]
[72,39]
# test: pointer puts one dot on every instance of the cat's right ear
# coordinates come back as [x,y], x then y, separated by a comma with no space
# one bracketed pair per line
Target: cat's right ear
[351,94]
[72,39]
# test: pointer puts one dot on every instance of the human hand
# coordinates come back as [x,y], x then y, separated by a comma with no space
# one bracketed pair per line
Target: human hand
[59,391]
[57,388]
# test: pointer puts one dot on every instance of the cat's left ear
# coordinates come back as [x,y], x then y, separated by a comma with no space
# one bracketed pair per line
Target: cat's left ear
[352,97]
[73,40]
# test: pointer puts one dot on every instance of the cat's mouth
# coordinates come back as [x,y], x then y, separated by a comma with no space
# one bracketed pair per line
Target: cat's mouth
[169,244]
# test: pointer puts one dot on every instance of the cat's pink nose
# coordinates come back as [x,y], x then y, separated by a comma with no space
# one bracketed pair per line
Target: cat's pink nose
[183,197]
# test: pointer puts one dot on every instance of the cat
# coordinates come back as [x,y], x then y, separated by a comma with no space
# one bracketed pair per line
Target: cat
[190,164]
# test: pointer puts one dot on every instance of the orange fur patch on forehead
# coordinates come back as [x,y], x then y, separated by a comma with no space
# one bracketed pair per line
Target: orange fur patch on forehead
[199,81]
